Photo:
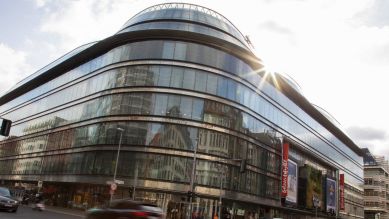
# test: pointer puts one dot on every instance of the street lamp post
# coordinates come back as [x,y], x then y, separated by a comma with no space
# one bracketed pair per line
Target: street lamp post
[223,178]
[135,179]
[220,193]
[117,160]
[192,179]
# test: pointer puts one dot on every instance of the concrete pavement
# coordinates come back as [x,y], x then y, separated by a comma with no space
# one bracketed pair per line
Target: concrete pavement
[25,212]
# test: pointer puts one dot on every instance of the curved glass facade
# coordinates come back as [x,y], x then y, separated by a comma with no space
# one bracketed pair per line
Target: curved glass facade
[186,13]
[170,97]
[179,26]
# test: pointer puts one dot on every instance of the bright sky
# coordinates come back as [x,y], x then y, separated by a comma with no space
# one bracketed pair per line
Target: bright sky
[338,51]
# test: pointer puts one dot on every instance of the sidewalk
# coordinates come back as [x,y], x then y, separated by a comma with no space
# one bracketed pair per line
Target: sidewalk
[67,211]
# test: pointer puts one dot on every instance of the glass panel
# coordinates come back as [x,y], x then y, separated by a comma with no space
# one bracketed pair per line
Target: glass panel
[168,50]
[201,81]
[197,111]
[189,79]
[173,107]
[180,51]
[164,76]
[231,90]
[211,84]
[222,87]
[177,78]
[186,107]
[160,104]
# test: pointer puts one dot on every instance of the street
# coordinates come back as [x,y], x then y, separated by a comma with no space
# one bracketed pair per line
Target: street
[27,213]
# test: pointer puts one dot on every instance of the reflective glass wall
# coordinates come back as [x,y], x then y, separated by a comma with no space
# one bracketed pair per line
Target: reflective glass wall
[230,82]
[174,95]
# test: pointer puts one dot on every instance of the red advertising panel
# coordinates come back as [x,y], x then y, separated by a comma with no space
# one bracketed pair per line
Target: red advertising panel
[284,173]
[341,191]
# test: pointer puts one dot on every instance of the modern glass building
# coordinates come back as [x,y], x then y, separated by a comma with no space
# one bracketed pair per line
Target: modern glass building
[177,81]
[376,194]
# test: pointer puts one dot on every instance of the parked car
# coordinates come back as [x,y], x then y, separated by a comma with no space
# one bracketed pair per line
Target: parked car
[126,209]
[6,202]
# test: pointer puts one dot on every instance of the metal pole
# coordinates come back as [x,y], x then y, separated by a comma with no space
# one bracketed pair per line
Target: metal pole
[135,180]
[220,195]
[337,194]
[281,141]
[117,160]
[192,179]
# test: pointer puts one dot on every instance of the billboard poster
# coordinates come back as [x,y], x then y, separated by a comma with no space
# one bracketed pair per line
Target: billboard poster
[341,192]
[331,195]
[314,188]
[292,182]
[284,173]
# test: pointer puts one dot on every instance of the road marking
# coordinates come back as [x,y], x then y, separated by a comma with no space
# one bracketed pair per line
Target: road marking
[62,212]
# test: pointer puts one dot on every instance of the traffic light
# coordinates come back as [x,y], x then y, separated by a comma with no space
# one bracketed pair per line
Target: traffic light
[242,168]
[5,126]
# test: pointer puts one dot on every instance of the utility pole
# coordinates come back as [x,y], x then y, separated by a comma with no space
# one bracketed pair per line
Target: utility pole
[135,179]
[220,194]
[192,179]
[117,161]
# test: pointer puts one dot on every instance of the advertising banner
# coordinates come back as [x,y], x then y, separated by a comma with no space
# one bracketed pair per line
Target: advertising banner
[284,173]
[331,195]
[341,191]
[292,182]
[314,188]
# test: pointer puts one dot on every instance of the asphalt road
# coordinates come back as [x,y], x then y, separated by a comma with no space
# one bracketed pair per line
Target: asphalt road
[27,213]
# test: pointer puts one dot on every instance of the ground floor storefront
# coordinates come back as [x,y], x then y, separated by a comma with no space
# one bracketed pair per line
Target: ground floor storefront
[175,205]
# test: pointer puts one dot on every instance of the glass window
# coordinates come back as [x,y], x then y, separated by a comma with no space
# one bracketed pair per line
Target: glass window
[147,104]
[87,163]
[201,81]
[222,87]
[173,107]
[164,76]
[180,51]
[197,112]
[136,103]
[151,49]
[211,84]
[154,71]
[153,135]
[160,104]
[186,107]
[189,79]
[125,52]
[168,50]
[141,75]
[177,77]
[231,90]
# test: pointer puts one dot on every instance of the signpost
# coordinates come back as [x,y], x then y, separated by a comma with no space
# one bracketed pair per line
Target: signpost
[119,182]
[114,186]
